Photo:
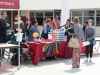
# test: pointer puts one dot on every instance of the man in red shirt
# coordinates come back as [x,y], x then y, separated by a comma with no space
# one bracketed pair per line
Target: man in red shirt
[56,22]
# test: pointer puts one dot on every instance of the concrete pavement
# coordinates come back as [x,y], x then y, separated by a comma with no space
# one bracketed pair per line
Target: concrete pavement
[54,67]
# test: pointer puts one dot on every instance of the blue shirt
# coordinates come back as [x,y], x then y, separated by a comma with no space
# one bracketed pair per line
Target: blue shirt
[45,33]
[33,29]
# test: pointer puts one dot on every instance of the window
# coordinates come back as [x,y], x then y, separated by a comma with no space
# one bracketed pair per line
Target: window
[58,12]
[97,18]
[76,13]
[32,14]
[49,13]
[39,17]
[89,13]
[39,14]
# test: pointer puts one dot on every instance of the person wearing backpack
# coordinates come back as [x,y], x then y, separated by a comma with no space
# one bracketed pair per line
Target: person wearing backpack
[3,27]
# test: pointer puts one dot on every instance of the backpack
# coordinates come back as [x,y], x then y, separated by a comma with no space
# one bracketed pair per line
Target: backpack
[14,59]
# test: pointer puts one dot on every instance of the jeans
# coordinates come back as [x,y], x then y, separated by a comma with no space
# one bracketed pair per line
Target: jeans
[3,39]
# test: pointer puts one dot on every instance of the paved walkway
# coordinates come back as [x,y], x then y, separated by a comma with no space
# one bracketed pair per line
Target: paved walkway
[54,67]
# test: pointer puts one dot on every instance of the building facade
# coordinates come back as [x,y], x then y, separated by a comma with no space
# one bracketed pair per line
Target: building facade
[85,9]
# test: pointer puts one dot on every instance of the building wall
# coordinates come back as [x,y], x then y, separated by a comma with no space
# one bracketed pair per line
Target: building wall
[56,4]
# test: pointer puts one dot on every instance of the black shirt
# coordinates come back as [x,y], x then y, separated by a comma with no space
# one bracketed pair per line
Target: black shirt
[3,26]
[71,30]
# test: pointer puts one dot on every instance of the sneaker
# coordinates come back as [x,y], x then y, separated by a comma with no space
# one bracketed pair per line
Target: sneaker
[86,60]
[90,60]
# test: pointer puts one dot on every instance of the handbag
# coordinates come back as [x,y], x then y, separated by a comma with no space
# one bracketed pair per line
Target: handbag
[74,42]
[92,42]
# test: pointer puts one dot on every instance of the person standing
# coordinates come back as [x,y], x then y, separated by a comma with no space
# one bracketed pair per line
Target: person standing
[3,27]
[86,24]
[44,22]
[67,24]
[80,36]
[46,29]
[69,33]
[90,36]
[56,22]
[33,29]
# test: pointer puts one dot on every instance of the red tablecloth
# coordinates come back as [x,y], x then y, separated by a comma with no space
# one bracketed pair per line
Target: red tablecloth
[36,51]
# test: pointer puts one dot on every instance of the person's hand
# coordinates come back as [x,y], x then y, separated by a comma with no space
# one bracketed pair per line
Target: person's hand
[69,33]
[7,25]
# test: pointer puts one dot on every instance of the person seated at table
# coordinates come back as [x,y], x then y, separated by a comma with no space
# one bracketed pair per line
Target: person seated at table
[33,29]
[69,33]
[46,29]
[13,41]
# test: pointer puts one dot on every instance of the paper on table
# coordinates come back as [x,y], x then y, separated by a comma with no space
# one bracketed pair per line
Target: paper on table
[86,43]
[49,36]
[19,37]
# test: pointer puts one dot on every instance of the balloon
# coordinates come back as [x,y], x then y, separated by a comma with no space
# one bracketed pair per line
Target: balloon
[35,35]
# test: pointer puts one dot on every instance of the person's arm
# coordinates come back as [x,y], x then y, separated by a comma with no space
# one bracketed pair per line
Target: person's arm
[76,29]
[93,35]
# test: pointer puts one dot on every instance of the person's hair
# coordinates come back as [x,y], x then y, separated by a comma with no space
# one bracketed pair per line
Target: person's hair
[44,18]
[68,20]
[34,22]
[32,19]
[48,19]
[76,19]
[56,15]
[15,31]
[3,12]
[86,22]
[71,24]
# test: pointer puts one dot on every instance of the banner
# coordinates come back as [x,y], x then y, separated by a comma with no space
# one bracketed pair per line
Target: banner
[9,4]
[28,17]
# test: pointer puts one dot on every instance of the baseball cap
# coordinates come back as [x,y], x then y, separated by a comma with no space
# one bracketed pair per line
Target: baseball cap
[90,20]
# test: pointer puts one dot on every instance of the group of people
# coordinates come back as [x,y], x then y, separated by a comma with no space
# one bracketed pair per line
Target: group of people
[86,33]
[47,26]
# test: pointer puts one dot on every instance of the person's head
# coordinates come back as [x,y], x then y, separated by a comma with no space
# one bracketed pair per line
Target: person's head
[32,19]
[45,19]
[76,19]
[86,23]
[35,23]
[90,22]
[56,16]
[68,21]
[48,21]
[4,14]
[71,24]
[27,20]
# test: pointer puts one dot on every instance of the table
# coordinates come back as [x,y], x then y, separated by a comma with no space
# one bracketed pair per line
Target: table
[36,51]
[5,46]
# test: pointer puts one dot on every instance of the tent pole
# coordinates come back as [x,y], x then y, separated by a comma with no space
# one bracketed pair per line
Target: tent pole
[18,42]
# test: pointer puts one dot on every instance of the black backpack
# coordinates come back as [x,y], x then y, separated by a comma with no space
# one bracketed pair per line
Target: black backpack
[14,59]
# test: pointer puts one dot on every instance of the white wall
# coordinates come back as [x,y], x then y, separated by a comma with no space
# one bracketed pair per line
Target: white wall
[56,4]
[87,4]
[40,4]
